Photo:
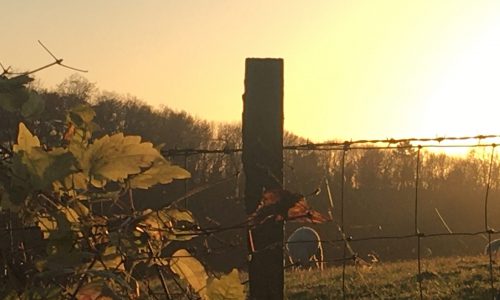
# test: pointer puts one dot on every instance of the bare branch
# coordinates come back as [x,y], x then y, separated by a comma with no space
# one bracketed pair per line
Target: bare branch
[59,61]
[38,69]
[50,53]
[5,70]
[73,68]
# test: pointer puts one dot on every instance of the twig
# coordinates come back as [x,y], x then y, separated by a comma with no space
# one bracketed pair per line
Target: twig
[48,51]
[199,190]
[57,61]
[5,71]
[160,274]
[82,278]
[151,292]
[60,60]
[131,199]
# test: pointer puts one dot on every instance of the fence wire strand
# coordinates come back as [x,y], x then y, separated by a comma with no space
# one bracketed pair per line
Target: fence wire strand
[390,143]
[486,223]
[342,180]
[416,230]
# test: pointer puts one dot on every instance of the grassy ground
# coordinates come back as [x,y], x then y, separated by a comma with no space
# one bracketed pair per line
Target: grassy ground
[442,278]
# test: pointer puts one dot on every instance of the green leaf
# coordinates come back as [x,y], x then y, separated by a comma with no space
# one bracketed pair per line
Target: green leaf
[191,270]
[12,92]
[162,171]
[11,296]
[78,143]
[5,203]
[60,241]
[72,260]
[70,214]
[33,107]
[41,168]
[37,293]
[62,164]
[17,195]
[116,157]
[80,128]
[98,182]
[25,140]
[109,277]
[75,181]
[47,224]
[91,290]
[169,224]
[9,102]
[19,81]
[62,220]
[81,115]
[111,260]
[79,207]
[228,287]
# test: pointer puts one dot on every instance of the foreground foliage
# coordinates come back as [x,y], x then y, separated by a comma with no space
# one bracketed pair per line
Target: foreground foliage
[78,234]
[442,278]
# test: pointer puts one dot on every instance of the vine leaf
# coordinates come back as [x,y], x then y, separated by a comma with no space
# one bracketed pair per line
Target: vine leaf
[169,224]
[42,168]
[80,128]
[162,171]
[25,140]
[63,219]
[90,291]
[111,259]
[13,93]
[9,102]
[116,157]
[81,115]
[34,106]
[97,289]
[33,167]
[14,82]
[228,287]
[280,204]
[191,270]
[47,225]
[72,183]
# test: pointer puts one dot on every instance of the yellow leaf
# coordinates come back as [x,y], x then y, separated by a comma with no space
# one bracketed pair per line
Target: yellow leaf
[47,225]
[161,172]
[228,287]
[25,140]
[90,291]
[191,270]
[116,157]
[111,260]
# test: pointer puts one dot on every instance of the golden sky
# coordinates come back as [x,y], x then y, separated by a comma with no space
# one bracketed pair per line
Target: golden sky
[353,69]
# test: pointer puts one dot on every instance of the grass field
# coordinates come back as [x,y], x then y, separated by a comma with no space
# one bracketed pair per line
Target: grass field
[442,278]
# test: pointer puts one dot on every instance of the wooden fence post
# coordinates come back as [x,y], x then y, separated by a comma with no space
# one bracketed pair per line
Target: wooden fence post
[263,167]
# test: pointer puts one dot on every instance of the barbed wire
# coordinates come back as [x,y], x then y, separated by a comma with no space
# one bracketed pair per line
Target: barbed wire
[390,143]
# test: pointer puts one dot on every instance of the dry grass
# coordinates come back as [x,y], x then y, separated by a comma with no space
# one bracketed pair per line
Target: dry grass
[442,278]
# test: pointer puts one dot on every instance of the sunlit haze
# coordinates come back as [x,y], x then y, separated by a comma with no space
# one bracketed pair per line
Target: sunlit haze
[353,69]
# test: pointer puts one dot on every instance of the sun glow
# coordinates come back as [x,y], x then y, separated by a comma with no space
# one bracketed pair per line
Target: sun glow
[466,97]
[353,70]
[407,69]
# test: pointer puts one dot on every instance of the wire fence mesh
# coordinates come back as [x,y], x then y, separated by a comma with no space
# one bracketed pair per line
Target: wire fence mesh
[346,239]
